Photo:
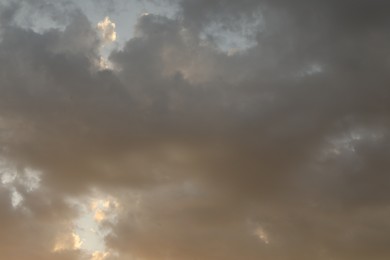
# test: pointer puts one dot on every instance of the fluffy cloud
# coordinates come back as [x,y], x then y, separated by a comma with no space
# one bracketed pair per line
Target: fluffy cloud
[107,29]
[276,151]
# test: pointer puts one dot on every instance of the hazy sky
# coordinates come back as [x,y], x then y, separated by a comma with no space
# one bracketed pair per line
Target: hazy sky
[195,130]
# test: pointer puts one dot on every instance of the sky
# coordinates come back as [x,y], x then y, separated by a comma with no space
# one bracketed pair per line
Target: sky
[194,130]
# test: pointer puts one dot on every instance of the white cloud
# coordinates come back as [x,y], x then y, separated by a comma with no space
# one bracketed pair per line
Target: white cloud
[107,30]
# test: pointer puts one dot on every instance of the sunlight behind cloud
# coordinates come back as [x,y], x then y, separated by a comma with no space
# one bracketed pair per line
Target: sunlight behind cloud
[90,227]
[99,255]
[68,242]
[107,30]
[262,235]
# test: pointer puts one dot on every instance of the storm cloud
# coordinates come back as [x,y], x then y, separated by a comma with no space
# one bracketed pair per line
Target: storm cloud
[276,148]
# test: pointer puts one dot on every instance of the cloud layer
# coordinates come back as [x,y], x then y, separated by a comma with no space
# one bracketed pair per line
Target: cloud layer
[277,150]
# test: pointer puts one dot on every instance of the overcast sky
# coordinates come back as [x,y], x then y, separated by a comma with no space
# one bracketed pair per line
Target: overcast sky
[195,130]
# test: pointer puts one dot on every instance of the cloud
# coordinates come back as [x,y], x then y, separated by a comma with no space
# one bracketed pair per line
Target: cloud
[68,242]
[107,30]
[276,151]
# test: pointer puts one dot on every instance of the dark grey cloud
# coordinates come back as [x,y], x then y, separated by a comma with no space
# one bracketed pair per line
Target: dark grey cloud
[274,151]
